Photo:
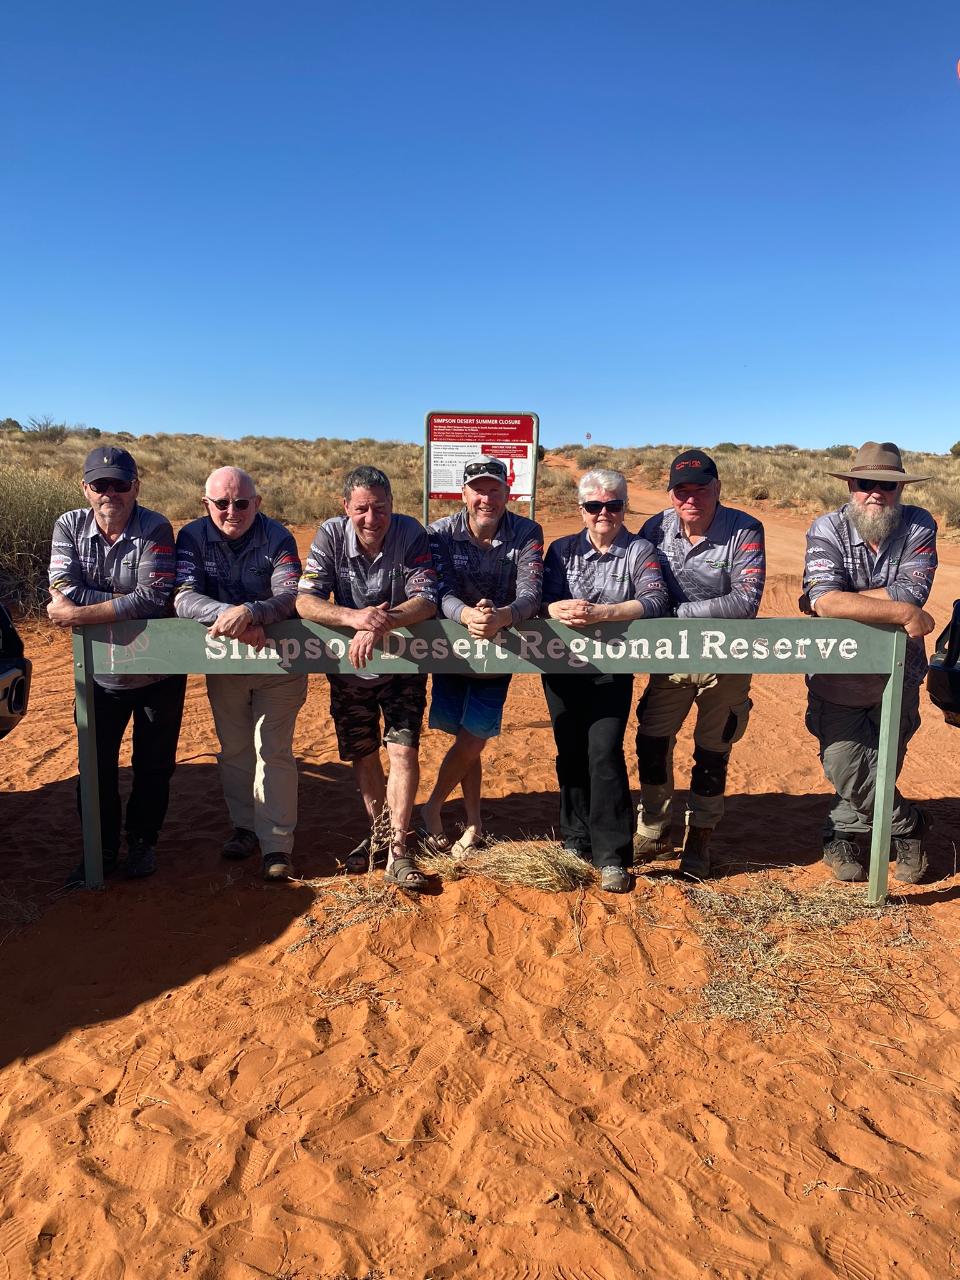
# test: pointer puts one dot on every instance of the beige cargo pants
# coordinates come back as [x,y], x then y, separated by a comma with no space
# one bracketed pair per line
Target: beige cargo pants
[723,708]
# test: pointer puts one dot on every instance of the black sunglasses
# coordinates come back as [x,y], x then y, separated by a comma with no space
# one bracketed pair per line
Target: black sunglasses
[867,486]
[110,486]
[238,504]
[484,468]
[613,505]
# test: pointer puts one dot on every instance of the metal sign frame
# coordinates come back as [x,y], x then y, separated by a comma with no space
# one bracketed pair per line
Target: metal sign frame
[480,413]
[174,646]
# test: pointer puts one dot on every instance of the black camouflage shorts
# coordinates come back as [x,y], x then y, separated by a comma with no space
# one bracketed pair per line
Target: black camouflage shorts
[356,706]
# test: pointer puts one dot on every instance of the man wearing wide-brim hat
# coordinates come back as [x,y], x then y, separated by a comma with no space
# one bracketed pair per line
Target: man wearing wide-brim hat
[872,561]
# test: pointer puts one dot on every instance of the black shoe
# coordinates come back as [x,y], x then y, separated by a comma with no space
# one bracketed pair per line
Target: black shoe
[277,866]
[695,858]
[78,876]
[843,858]
[141,860]
[912,863]
[241,844]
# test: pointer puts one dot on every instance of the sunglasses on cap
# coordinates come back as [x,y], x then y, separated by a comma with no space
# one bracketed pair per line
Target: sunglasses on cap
[223,504]
[110,486]
[867,486]
[613,505]
[484,469]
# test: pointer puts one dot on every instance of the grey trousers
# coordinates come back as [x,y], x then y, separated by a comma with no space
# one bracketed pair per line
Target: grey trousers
[849,740]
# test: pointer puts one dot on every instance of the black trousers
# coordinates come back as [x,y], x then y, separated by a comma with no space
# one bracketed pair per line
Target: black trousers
[590,714]
[157,710]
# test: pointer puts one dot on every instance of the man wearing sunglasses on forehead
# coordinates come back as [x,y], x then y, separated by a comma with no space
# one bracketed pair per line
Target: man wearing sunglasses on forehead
[714,566]
[111,562]
[237,572]
[871,561]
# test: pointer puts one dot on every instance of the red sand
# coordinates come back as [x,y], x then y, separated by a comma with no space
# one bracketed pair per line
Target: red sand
[498,1083]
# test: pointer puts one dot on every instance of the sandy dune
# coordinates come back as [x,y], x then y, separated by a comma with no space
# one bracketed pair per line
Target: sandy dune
[489,1083]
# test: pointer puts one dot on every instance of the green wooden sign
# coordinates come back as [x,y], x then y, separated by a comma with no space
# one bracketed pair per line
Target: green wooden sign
[169,646]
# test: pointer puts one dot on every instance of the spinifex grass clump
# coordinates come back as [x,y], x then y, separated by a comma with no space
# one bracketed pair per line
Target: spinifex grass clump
[30,501]
[536,864]
[776,952]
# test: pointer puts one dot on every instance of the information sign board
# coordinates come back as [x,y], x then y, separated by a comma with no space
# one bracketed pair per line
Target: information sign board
[453,438]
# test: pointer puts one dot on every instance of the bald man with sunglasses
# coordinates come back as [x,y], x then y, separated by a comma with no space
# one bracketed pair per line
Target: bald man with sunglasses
[872,561]
[237,572]
[112,562]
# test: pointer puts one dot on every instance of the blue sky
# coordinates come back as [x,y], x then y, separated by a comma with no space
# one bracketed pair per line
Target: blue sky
[685,222]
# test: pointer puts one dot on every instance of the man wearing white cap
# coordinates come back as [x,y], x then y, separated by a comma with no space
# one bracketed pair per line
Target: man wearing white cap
[872,561]
[489,563]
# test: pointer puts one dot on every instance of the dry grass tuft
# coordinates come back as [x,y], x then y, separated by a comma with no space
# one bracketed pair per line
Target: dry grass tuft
[15,912]
[344,904]
[535,864]
[775,952]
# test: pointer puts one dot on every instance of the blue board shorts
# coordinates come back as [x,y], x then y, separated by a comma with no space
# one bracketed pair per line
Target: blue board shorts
[466,702]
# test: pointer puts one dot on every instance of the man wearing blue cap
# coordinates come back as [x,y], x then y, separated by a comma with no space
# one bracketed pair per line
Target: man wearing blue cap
[110,562]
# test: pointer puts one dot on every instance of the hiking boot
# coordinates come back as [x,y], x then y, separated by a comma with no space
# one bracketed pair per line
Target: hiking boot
[277,866]
[77,876]
[912,862]
[653,848]
[695,858]
[141,860]
[842,856]
[241,844]
[614,879]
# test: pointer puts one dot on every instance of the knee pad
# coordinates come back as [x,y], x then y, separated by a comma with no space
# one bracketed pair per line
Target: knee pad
[652,758]
[709,775]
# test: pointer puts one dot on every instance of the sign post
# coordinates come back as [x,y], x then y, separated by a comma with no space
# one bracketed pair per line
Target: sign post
[452,438]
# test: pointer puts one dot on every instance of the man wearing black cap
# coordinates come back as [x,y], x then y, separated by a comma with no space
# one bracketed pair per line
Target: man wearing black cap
[109,563]
[714,566]
[871,561]
[489,564]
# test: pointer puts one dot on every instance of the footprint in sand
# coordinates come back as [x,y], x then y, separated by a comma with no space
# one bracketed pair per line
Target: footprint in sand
[13,1254]
[138,1071]
[850,1261]
[252,1164]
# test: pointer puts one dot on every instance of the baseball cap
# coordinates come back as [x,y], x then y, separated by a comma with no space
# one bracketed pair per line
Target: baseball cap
[693,466]
[109,464]
[477,468]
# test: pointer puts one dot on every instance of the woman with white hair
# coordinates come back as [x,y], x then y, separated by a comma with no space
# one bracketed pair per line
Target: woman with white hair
[603,574]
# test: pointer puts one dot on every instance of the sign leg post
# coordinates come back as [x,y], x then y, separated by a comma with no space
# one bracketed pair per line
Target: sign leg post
[886,775]
[87,758]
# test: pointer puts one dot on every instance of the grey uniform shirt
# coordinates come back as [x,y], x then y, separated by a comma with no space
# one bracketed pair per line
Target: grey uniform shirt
[838,559]
[723,575]
[262,575]
[135,571]
[402,569]
[508,572]
[628,569]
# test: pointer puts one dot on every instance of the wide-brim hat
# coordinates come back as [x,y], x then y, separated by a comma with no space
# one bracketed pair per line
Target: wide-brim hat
[878,462]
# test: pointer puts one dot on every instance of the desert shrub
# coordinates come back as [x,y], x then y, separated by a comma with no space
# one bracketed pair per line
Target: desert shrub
[31,502]
[726,447]
[10,424]
[954,448]
[842,451]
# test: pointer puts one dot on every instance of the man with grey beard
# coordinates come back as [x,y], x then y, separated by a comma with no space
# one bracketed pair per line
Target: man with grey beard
[872,561]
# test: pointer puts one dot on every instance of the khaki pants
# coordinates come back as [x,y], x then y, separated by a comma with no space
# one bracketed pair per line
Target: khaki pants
[255,718]
[723,709]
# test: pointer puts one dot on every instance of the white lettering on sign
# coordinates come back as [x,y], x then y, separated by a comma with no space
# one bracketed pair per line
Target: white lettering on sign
[536,647]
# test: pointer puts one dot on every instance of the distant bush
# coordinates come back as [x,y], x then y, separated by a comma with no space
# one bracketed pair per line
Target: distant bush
[954,449]
[726,446]
[845,451]
[31,502]
[10,424]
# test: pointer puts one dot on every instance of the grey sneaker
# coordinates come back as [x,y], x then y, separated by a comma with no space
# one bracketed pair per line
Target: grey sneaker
[655,848]
[912,863]
[614,880]
[695,858]
[241,844]
[842,856]
[141,860]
